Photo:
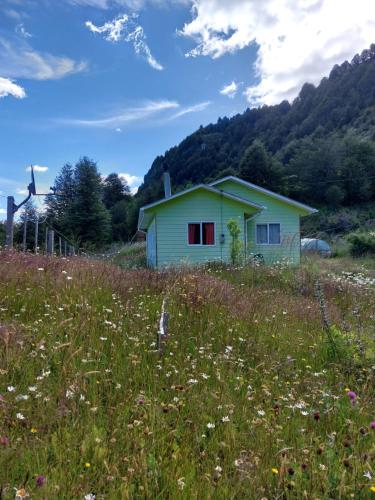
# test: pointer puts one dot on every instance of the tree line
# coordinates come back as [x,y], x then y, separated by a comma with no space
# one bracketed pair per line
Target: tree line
[90,210]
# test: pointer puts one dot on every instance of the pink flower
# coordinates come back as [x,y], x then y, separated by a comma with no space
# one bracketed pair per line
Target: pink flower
[352,395]
[40,480]
[372,425]
[4,441]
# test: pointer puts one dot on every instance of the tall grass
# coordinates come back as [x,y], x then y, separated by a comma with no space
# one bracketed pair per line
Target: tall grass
[244,402]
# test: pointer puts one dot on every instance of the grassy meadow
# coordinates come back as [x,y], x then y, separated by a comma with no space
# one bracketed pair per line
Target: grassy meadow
[265,389]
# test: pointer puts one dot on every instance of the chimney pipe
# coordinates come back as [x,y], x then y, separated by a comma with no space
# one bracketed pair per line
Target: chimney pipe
[167,184]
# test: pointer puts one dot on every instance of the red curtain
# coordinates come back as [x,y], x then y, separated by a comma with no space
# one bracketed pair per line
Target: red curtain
[208,233]
[194,234]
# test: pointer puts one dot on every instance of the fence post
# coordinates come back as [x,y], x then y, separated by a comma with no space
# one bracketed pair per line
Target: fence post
[36,234]
[51,242]
[46,241]
[24,234]
[10,221]
[60,247]
[65,245]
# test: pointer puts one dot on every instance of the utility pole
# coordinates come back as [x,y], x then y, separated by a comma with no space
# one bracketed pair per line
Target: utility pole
[11,210]
[51,242]
[36,233]
[24,233]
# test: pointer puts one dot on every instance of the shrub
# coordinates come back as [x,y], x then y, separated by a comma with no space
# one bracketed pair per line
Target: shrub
[362,244]
[235,244]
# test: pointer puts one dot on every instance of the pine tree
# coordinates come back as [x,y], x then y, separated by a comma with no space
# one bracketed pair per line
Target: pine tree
[90,219]
[60,207]
[115,189]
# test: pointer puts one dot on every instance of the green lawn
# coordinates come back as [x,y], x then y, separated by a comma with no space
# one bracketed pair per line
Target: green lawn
[251,398]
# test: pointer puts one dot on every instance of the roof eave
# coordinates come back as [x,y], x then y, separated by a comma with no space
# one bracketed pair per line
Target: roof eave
[285,199]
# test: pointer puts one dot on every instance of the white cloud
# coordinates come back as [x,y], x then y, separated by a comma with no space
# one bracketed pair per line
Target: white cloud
[191,109]
[2,211]
[21,30]
[132,180]
[37,168]
[21,61]
[8,87]
[24,192]
[142,112]
[131,4]
[125,28]
[298,40]
[230,90]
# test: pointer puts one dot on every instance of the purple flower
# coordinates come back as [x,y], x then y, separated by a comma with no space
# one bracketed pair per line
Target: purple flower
[40,480]
[372,425]
[4,441]
[352,395]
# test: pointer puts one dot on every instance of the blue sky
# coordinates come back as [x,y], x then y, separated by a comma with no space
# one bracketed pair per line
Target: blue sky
[122,81]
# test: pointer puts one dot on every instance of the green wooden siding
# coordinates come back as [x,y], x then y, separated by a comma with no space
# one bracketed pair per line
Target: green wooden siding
[276,211]
[199,206]
[151,244]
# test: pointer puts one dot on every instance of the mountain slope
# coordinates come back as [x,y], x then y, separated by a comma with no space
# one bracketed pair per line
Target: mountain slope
[323,139]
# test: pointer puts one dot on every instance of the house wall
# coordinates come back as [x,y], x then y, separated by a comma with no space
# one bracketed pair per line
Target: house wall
[276,211]
[151,244]
[198,206]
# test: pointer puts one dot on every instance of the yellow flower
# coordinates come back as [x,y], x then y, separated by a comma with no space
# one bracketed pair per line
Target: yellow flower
[346,389]
[33,430]
[274,470]
[372,488]
[87,465]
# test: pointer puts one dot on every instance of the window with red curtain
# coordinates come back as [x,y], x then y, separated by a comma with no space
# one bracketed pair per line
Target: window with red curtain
[194,236]
[208,233]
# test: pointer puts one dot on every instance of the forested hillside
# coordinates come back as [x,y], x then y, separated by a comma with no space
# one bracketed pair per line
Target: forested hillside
[319,149]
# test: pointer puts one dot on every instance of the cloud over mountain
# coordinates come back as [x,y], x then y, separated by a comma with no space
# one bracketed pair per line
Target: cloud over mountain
[298,40]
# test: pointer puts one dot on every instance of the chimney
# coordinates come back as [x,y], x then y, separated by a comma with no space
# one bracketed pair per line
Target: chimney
[167,184]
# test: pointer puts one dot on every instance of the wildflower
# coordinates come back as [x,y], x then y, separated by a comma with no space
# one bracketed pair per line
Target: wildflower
[317,416]
[20,416]
[261,413]
[274,470]
[367,475]
[372,425]
[181,483]
[33,430]
[20,494]
[372,488]
[11,388]
[40,268]
[218,468]
[4,441]
[32,388]
[225,419]
[352,395]
[87,465]
[290,471]
[322,467]
[40,480]
[89,496]
[210,426]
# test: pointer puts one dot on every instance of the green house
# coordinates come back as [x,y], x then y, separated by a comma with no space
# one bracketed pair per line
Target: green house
[190,227]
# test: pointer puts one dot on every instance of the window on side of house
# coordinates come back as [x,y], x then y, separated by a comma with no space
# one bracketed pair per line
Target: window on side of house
[268,234]
[201,233]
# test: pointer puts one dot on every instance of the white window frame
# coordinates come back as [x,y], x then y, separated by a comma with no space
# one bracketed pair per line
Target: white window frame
[268,234]
[201,233]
